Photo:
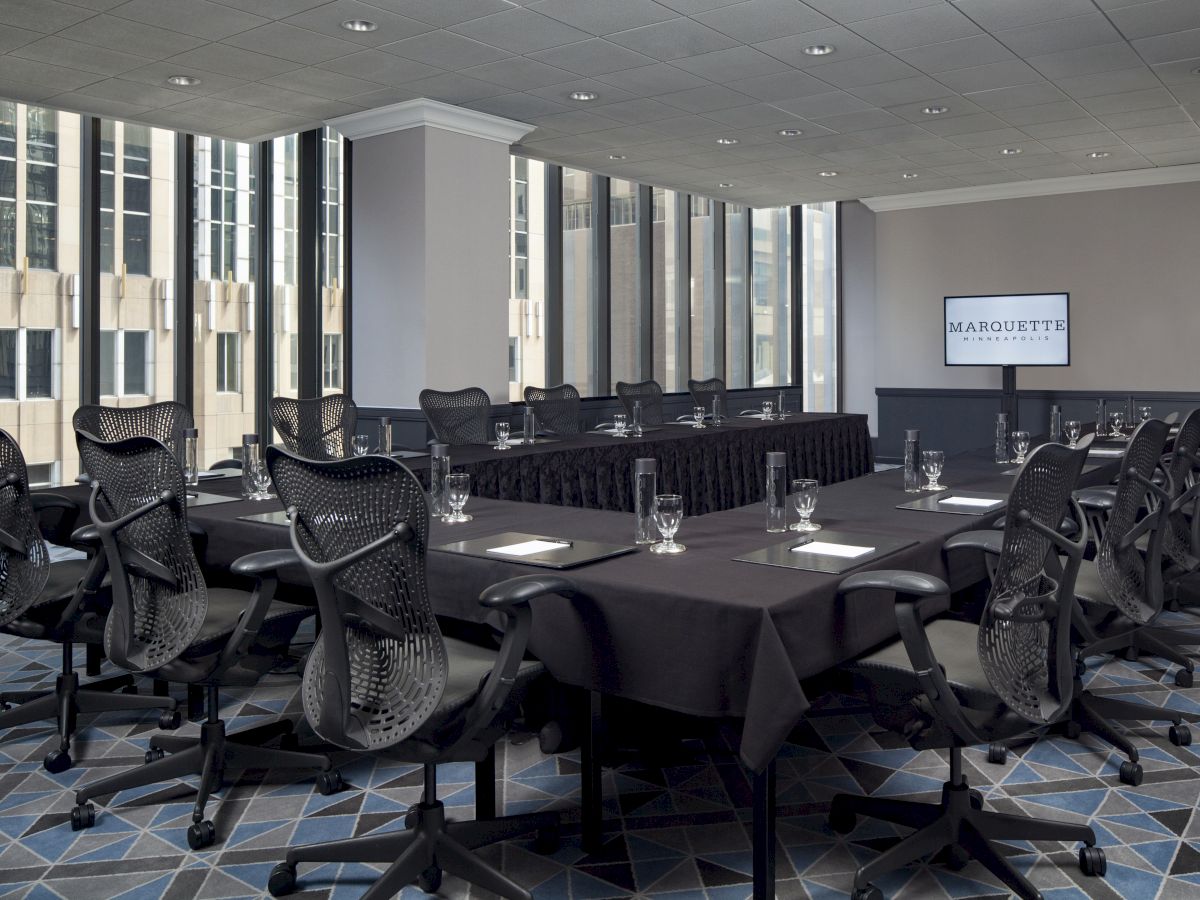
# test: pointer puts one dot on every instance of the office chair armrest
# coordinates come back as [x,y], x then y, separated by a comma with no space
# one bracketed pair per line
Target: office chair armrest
[47,500]
[87,536]
[1097,499]
[990,542]
[505,594]
[898,581]
[254,565]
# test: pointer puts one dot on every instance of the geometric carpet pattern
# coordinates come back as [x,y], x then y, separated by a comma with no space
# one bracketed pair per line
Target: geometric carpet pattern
[679,826]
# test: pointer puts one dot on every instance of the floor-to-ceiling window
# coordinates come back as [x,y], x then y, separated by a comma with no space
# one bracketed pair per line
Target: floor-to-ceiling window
[333,264]
[737,309]
[527,275]
[665,277]
[819,294]
[578,283]
[771,295]
[704,289]
[285,214]
[625,332]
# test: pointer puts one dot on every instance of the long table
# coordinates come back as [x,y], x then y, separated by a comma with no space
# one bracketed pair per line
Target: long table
[713,468]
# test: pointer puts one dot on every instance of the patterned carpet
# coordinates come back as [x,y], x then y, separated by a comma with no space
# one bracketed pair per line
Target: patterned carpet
[679,829]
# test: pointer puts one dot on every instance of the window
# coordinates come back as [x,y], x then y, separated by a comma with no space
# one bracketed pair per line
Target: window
[285,350]
[819,272]
[703,290]
[136,364]
[579,284]
[41,475]
[514,359]
[41,187]
[667,311]
[39,363]
[108,170]
[136,198]
[225,202]
[8,183]
[294,362]
[229,362]
[625,284]
[8,363]
[108,363]
[125,364]
[771,321]
[331,362]
[737,310]
[527,269]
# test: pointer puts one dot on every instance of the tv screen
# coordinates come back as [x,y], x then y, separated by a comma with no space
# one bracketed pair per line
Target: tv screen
[1008,330]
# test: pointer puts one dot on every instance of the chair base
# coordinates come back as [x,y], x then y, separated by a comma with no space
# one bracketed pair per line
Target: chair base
[963,829]
[171,757]
[420,853]
[69,700]
[1148,640]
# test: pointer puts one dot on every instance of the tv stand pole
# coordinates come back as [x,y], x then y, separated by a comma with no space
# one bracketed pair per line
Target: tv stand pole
[1008,398]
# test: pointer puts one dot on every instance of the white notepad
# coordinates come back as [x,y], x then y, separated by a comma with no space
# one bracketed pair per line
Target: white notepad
[1113,452]
[528,548]
[824,548]
[968,501]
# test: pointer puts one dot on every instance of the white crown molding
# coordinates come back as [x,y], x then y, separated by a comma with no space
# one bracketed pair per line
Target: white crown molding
[1041,187]
[433,114]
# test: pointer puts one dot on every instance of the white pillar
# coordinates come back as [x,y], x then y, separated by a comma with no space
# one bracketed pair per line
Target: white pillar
[429,212]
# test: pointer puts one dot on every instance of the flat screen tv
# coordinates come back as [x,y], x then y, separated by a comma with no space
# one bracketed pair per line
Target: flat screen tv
[1008,330]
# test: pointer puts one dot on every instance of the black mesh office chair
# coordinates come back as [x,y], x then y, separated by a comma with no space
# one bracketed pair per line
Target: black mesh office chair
[319,428]
[1181,539]
[167,623]
[648,393]
[954,684]
[164,422]
[457,417]
[558,409]
[703,393]
[382,678]
[63,602]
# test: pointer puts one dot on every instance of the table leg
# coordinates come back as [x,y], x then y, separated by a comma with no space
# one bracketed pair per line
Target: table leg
[764,833]
[485,786]
[593,791]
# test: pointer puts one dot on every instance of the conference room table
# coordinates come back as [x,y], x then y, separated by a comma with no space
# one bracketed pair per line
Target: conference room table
[712,468]
[698,633]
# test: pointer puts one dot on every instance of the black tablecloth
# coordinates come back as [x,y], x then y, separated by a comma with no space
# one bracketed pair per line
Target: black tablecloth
[713,468]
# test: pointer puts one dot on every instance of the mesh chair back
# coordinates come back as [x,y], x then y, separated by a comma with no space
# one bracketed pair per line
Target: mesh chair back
[159,596]
[318,428]
[164,422]
[378,669]
[649,393]
[557,408]
[703,393]
[1180,537]
[1133,580]
[1027,659]
[24,559]
[457,417]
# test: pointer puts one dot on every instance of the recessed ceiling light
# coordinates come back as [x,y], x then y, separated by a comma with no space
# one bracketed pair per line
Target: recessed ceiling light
[828,174]
[727,141]
[616,156]
[789,132]
[910,175]
[1010,151]
[583,96]
[359,25]
[819,49]
[1099,154]
[935,110]
[725,184]
[183,80]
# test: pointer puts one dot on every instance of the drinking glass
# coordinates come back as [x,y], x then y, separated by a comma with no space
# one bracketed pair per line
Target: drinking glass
[359,445]
[668,513]
[501,435]
[1116,421]
[768,409]
[458,488]
[1072,429]
[1145,413]
[698,415]
[931,464]
[1020,440]
[804,497]
[260,478]
[619,424]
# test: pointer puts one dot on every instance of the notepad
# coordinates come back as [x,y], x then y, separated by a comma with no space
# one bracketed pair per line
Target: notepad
[824,548]
[1111,452]
[528,548]
[969,501]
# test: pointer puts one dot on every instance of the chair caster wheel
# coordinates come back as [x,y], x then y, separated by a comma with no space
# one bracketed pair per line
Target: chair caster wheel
[1184,678]
[201,835]
[1131,654]
[130,689]
[870,892]
[976,799]
[154,753]
[957,858]
[83,815]
[1073,730]
[282,881]
[1180,735]
[170,719]
[58,761]
[998,754]
[329,783]
[430,880]
[548,840]
[1131,773]
[1092,861]
[842,821]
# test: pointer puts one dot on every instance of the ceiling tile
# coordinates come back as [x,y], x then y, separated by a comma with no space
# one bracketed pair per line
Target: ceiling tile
[1117,103]
[1160,17]
[855,10]
[1169,47]
[1094,140]
[157,73]
[130,37]
[133,92]
[636,112]
[848,123]
[322,83]
[723,66]
[591,57]
[1017,96]
[449,87]
[328,19]
[1138,118]
[761,20]
[1046,112]
[520,106]
[673,39]
[519,73]
[655,79]
[443,13]
[703,99]
[755,116]
[790,49]
[382,68]
[690,126]
[893,135]
[946,126]
[73,54]
[1159,132]
[867,70]
[904,90]
[780,86]
[97,106]
[693,7]
[445,49]
[271,9]
[297,45]
[1065,128]
[603,18]
[830,103]
[12,37]
[55,78]
[607,93]
[1101,83]
[989,76]
[45,16]
[1062,34]
[520,31]
[1087,61]
[1181,71]
[1000,137]
[956,107]
[962,53]
[199,18]
[995,15]
[282,100]
[917,27]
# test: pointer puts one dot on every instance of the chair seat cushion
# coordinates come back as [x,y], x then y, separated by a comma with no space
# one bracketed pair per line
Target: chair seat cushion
[44,614]
[1088,586]
[225,608]
[955,645]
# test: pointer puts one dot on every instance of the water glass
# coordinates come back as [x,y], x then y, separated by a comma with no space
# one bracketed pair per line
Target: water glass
[1145,413]
[619,422]
[804,497]
[698,415]
[1020,442]
[501,435]
[458,489]
[359,445]
[1116,421]
[260,478]
[668,513]
[1072,428]
[931,464]
[768,409]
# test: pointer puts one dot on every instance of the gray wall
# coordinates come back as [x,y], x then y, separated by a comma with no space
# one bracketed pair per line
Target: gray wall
[858,312]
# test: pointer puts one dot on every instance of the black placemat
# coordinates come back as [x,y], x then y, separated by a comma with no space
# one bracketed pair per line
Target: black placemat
[1086,468]
[784,556]
[407,454]
[199,498]
[931,503]
[574,553]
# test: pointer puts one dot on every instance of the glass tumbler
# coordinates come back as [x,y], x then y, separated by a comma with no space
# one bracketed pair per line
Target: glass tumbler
[1072,428]
[1020,442]
[804,498]
[668,514]
[698,415]
[931,464]
[359,445]
[501,435]
[458,489]
[768,409]
[619,423]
